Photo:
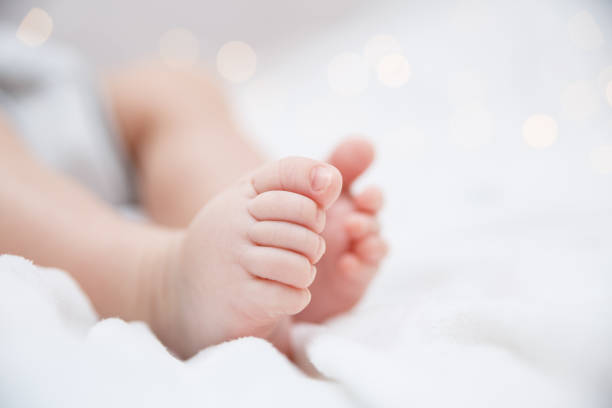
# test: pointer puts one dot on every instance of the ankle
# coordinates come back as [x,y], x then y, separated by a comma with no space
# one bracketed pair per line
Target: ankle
[158,265]
[281,337]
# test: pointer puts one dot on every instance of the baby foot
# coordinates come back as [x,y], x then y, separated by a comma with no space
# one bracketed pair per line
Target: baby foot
[246,261]
[354,246]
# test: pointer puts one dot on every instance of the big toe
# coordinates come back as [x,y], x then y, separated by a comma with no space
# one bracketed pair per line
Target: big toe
[317,180]
[352,157]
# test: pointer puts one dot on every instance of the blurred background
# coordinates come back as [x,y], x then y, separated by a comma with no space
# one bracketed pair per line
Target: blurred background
[481,110]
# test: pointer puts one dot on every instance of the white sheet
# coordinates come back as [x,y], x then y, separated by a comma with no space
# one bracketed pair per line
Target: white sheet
[528,324]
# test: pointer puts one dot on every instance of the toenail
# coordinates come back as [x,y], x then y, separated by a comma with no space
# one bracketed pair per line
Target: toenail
[321,248]
[314,274]
[320,178]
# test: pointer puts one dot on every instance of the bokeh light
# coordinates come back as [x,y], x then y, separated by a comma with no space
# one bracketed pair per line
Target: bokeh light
[393,70]
[179,48]
[540,131]
[35,28]
[580,100]
[379,46]
[348,74]
[236,61]
[585,32]
[471,127]
[601,159]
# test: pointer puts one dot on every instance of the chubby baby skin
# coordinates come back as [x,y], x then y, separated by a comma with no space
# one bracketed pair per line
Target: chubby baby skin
[236,245]
[248,258]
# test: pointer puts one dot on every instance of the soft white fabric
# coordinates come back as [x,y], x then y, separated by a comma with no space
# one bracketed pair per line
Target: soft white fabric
[54,353]
[489,328]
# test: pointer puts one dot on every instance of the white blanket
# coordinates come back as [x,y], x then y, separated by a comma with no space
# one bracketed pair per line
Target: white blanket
[521,326]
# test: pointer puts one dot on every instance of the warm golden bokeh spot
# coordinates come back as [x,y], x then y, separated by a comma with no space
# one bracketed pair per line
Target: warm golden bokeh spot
[236,61]
[540,131]
[393,70]
[35,28]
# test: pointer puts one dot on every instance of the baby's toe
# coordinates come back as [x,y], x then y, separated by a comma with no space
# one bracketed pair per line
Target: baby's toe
[371,249]
[317,180]
[287,206]
[357,274]
[369,200]
[270,299]
[359,225]
[289,236]
[280,265]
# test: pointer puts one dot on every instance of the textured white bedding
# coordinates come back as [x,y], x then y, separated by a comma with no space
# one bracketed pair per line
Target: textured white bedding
[526,325]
